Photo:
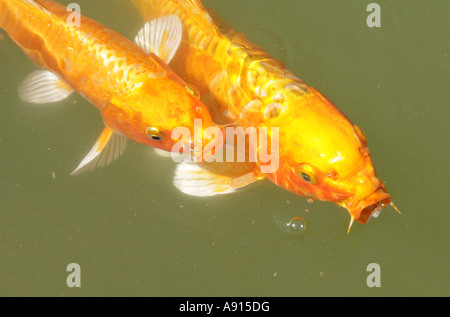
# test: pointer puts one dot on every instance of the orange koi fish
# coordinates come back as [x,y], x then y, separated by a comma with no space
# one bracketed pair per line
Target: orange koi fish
[321,153]
[139,96]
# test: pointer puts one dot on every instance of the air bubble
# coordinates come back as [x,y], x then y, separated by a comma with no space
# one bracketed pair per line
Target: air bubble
[297,226]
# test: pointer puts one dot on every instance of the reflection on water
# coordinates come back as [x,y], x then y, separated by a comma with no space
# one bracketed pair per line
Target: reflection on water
[133,233]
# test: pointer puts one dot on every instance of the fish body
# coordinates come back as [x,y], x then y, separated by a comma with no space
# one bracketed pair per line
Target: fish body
[322,154]
[139,96]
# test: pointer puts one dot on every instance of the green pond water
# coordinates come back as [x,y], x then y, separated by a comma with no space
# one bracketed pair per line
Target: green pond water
[134,234]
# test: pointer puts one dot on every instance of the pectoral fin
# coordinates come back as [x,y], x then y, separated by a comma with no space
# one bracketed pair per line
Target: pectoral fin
[161,36]
[108,148]
[193,180]
[42,86]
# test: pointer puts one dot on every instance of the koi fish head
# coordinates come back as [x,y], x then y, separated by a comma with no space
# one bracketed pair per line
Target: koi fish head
[327,158]
[163,113]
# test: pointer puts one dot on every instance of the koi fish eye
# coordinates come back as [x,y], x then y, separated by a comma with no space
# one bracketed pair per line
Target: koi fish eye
[307,173]
[154,134]
[193,91]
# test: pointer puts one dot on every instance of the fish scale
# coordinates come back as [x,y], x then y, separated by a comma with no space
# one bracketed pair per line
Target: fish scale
[91,44]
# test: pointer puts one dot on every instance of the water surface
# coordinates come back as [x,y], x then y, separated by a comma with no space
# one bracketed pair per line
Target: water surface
[133,233]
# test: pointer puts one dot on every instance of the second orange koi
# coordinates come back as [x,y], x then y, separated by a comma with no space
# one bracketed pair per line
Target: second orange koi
[321,153]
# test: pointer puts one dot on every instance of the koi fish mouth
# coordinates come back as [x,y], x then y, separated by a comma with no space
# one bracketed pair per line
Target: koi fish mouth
[362,210]
[371,206]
